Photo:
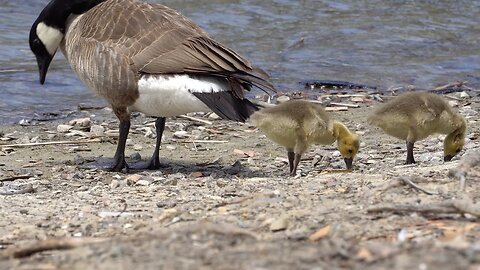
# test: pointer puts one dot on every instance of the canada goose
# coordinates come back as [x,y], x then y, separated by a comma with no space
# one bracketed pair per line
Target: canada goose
[297,124]
[414,116]
[147,58]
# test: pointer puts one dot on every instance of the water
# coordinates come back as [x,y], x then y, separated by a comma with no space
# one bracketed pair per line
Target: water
[385,43]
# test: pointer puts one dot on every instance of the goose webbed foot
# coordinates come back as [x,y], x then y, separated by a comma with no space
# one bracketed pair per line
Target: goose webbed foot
[119,164]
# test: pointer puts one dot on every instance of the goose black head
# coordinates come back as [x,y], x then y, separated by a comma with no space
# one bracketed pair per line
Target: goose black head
[49,29]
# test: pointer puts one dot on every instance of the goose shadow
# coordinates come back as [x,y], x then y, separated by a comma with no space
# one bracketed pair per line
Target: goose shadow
[215,169]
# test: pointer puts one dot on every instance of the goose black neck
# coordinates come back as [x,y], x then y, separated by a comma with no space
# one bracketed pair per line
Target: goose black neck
[56,13]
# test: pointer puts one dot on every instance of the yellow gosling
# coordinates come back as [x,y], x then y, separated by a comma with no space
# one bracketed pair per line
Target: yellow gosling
[414,116]
[297,124]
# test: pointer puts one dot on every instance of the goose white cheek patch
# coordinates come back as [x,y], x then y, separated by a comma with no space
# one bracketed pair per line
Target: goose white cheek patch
[50,37]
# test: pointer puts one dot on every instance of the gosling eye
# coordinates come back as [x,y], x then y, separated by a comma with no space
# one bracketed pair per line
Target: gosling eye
[350,151]
[457,151]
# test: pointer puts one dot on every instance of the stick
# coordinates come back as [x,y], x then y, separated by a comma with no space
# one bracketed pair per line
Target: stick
[54,244]
[206,141]
[51,143]
[27,189]
[409,182]
[15,177]
[449,207]
[344,105]
[196,119]
[336,109]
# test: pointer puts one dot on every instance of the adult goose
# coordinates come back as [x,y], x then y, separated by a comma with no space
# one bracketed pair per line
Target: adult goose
[147,58]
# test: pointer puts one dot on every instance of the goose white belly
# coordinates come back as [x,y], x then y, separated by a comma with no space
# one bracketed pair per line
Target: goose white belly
[171,95]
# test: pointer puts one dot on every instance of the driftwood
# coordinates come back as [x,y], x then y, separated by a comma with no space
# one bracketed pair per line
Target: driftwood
[27,189]
[409,182]
[15,177]
[53,244]
[50,143]
[468,162]
[455,206]
[195,119]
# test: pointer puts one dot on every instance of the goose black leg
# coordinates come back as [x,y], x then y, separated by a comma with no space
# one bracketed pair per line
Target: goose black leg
[410,159]
[155,160]
[295,164]
[119,159]
[291,156]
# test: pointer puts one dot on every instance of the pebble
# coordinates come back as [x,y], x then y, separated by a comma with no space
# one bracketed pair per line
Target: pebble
[142,183]
[171,147]
[464,95]
[279,224]
[97,130]
[64,128]
[214,116]
[133,179]
[135,157]
[282,99]
[137,147]
[81,122]
[181,134]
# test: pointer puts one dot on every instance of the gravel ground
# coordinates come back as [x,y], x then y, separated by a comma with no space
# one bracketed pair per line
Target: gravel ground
[224,200]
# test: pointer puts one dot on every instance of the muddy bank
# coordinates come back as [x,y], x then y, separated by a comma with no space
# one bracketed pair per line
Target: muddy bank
[224,200]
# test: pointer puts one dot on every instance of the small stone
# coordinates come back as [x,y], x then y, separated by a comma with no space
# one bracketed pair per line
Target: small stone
[80,122]
[357,99]
[279,224]
[97,130]
[171,147]
[64,128]
[181,134]
[213,116]
[78,160]
[142,182]
[371,161]
[133,179]
[135,157]
[137,147]
[464,95]
[114,184]
[196,174]
[282,99]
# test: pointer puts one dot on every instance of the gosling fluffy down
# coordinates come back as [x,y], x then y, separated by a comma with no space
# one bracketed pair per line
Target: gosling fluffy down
[297,124]
[414,116]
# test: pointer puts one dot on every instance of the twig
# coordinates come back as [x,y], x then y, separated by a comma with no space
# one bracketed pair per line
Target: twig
[53,244]
[336,109]
[16,177]
[409,182]
[51,143]
[195,119]
[28,189]
[344,105]
[206,141]
[450,207]
[467,162]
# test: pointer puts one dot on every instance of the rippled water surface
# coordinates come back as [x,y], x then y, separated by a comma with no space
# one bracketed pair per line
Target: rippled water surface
[385,43]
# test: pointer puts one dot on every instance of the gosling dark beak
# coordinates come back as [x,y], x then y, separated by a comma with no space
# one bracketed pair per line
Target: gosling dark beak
[43,62]
[447,158]
[349,162]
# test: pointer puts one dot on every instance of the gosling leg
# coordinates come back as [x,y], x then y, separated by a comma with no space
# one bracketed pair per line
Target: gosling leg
[154,163]
[410,159]
[291,156]
[295,164]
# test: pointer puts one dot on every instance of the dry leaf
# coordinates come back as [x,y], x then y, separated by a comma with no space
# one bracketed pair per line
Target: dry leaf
[323,232]
[364,254]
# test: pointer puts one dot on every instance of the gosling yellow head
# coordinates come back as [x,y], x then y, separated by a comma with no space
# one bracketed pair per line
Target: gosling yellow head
[453,143]
[298,124]
[348,145]
[414,116]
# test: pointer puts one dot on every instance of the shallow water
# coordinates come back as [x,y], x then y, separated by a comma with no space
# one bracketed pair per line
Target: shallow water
[384,43]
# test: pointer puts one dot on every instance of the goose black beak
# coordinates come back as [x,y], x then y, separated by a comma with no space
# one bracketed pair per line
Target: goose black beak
[447,158]
[43,62]
[349,162]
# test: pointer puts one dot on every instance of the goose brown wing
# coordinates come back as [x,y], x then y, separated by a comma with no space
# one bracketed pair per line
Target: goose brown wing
[161,41]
